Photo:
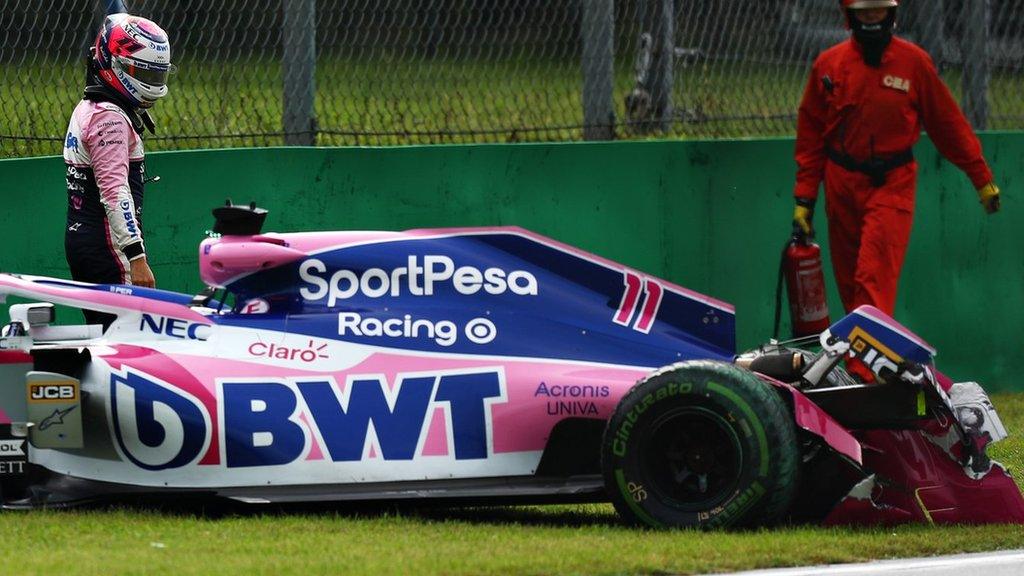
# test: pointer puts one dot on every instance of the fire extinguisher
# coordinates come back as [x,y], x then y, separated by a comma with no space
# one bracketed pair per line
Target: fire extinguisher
[805,287]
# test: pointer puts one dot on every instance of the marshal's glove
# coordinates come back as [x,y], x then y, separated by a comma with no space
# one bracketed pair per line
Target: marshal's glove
[803,214]
[989,197]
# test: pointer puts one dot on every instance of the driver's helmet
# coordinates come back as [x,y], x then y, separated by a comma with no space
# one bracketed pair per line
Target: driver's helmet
[133,56]
[860,4]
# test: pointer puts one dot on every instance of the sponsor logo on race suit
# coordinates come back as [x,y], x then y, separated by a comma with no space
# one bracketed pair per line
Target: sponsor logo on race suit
[273,422]
[414,279]
[71,142]
[75,178]
[129,218]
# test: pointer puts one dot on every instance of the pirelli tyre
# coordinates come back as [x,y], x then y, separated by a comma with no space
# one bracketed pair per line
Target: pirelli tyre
[701,444]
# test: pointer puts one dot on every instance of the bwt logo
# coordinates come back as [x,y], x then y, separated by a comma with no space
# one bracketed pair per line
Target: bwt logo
[126,82]
[175,328]
[413,279]
[129,218]
[264,417]
[274,422]
[157,426]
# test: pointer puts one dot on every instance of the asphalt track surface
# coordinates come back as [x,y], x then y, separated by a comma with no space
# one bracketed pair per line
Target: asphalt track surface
[1007,563]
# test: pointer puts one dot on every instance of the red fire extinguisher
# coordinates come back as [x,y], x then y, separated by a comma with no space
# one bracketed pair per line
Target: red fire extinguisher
[805,287]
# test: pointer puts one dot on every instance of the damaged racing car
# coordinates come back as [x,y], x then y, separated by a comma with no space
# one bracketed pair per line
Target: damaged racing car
[483,364]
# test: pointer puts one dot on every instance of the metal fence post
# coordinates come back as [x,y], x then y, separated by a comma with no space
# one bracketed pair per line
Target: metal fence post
[299,66]
[976,66]
[116,6]
[931,27]
[663,64]
[597,29]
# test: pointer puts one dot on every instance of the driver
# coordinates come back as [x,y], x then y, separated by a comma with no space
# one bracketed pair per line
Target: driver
[103,155]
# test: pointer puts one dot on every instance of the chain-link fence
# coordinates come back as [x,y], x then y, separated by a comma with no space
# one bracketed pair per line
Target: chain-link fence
[382,72]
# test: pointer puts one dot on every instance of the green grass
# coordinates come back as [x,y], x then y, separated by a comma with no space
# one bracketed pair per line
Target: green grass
[583,539]
[396,101]
[528,542]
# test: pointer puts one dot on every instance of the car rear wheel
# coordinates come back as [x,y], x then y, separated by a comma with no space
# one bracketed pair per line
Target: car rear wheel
[701,444]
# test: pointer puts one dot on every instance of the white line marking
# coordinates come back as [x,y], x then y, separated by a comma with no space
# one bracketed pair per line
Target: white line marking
[1008,563]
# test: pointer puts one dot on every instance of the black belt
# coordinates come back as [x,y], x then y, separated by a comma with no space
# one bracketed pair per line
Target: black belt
[875,168]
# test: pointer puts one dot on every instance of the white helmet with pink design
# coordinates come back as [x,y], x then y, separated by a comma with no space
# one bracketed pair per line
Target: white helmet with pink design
[133,56]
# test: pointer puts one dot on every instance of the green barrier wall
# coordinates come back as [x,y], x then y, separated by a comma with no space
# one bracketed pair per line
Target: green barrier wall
[712,216]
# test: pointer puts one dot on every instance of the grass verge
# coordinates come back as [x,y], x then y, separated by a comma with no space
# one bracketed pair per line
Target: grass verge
[396,101]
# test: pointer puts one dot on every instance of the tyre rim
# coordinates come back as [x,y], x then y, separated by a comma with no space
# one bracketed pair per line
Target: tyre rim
[693,459]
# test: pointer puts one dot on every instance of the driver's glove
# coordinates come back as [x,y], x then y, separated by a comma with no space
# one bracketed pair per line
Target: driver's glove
[989,197]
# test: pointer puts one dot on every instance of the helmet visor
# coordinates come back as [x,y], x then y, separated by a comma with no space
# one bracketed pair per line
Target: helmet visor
[148,72]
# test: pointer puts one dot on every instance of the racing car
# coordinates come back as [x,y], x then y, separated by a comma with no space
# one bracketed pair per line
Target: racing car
[476,364]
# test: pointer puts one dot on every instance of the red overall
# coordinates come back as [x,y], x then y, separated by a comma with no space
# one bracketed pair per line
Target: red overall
[861,113]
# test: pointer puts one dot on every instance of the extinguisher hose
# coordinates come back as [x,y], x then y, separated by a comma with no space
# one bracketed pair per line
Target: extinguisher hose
[778,291]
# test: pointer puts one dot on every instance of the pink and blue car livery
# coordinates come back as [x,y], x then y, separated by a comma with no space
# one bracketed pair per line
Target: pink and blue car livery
[368,357]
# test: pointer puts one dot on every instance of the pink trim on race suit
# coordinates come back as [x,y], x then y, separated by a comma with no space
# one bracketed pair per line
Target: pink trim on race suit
[109,154]
[85,114]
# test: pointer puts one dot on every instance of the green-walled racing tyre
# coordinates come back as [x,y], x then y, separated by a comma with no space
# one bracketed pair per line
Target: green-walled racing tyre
[701,444]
